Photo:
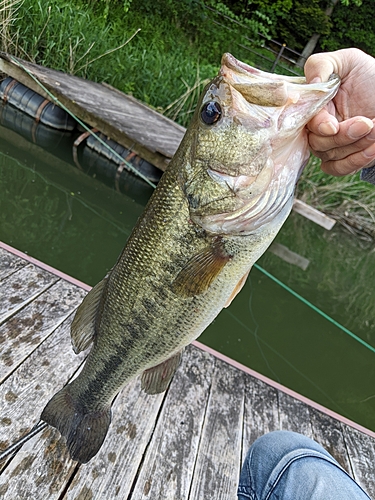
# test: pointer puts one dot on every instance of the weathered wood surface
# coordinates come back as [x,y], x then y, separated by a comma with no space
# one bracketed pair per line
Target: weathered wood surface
[188,443]
[219,458]
[24,331]
[9,263]
[177,433]
[362,458]
[21,287]
[119,116]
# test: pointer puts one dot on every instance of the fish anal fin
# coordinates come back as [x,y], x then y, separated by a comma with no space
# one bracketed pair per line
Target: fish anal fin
[84,431]
[237,288]
[200,271]
[156,379]
[83,326]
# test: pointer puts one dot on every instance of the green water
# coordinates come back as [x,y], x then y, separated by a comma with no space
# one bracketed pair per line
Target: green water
[73,222]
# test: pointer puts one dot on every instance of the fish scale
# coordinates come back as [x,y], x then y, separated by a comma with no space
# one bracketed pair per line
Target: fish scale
[217,208]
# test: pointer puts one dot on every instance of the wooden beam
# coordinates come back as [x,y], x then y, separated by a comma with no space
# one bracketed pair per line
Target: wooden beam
[313,214]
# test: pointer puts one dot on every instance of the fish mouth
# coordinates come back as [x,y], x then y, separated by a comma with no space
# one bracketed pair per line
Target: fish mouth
[230,62]
[270,89]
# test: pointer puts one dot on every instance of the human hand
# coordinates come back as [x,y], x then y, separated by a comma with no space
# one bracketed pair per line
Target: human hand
[343,133]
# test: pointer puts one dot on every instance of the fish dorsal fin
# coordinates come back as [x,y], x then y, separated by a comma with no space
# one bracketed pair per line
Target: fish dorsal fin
[156,379]
[83,326]
[237,288]
[199,272]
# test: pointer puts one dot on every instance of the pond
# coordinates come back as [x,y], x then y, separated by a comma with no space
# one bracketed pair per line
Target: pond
[75,222]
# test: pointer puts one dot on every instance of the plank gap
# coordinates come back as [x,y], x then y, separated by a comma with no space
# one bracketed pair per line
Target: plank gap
[145,450]
[17,308]
[347,451]
[201,434]
[69,482]
[243,452]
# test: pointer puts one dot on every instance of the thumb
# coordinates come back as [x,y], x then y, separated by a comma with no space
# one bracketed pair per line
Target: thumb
[319,67]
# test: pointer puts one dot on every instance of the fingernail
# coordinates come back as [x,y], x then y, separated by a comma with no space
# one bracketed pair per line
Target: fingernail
[369,152]
[327,128]
[317,79]
[360,128]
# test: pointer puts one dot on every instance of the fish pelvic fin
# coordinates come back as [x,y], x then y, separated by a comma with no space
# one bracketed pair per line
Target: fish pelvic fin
[200,271]
[237,288]
[84,432]
[83,326]
[156,379]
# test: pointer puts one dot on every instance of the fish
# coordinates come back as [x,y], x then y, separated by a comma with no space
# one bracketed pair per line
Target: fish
[218,206]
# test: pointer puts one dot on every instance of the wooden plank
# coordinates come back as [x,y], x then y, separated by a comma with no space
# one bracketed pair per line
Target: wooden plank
[21,334]
[26,391]
[9,263]
[219,458]
[313,214]
[39,470]
[111,473]
[328,433]
[169,463]
[133,125]
[294,415]
[22,287]
[42,467]
[361,449]
[261,412]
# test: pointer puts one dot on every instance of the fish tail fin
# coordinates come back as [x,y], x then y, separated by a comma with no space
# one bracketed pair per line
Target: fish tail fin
[84,432]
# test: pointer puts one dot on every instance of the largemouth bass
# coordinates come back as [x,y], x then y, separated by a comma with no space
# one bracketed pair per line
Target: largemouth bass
[217,208]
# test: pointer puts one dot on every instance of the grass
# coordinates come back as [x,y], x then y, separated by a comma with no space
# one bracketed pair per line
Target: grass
[8,10]
[158,65]
[347,199]
[164,66]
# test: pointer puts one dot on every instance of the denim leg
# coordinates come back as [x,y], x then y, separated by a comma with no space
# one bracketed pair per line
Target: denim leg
[284,465]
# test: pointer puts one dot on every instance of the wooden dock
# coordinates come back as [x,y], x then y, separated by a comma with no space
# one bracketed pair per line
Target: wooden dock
[188,443]
[126,120]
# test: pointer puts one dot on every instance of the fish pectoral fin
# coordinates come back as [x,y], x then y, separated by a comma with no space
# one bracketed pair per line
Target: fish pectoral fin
[156,379]
[201,270]
[237,288]
[82,331]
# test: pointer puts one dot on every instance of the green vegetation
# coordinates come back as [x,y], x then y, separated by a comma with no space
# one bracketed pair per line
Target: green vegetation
[340,23]
[347,199]
[178,48]
[167,60]
[354,27]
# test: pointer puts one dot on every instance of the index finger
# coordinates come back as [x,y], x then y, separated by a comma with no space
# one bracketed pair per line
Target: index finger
[323,124]
[349,132]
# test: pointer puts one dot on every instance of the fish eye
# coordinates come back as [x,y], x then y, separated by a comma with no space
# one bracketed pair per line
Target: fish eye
[211,112]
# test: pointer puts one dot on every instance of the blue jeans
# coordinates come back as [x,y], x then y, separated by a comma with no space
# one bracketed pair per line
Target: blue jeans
[284,465]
